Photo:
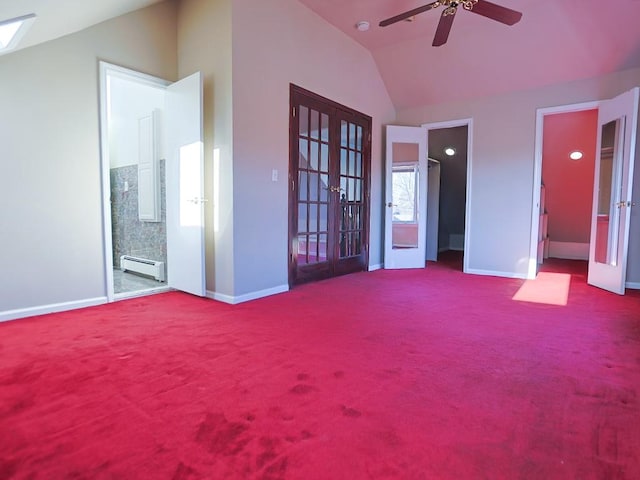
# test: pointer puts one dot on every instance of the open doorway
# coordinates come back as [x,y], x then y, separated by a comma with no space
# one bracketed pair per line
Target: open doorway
[566,191]
[614,137]
[563,188]
[449,161]
[153,128]
[135,179]
[568,167]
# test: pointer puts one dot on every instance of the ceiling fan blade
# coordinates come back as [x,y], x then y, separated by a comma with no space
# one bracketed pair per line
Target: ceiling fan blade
[496,12]
[444,27]
[405,15]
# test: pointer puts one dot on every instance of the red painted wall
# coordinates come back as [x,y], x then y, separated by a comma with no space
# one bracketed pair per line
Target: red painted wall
[569,183]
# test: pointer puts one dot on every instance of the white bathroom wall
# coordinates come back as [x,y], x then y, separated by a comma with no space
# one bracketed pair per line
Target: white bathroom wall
[129,102]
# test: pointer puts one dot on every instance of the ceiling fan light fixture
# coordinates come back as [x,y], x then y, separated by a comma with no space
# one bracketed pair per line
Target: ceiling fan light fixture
[484,8]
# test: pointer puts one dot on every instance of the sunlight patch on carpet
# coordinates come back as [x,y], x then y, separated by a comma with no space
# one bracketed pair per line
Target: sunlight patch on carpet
[548,288]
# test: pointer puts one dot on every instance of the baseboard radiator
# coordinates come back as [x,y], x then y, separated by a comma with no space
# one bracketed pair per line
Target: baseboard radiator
[152,268]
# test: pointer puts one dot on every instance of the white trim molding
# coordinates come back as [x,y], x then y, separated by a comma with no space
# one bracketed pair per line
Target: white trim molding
[495,273]
[234,300]
[52,308]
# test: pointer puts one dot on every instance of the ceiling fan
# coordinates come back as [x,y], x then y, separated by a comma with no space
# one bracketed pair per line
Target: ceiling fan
[481,7]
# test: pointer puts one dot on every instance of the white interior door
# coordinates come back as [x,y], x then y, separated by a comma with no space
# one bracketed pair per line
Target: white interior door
[617,126]
[185,186]
[406,197]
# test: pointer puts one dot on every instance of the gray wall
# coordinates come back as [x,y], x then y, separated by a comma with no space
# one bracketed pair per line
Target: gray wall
[50,173]
[501,192]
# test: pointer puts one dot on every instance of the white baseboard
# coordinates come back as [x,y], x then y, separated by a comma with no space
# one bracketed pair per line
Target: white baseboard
[456,241]
[53,308]
[495,273]
[233,300]
[633,285]
[569,250]
[377,266]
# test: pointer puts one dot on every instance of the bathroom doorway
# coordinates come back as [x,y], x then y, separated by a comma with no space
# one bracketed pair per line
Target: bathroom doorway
[152,182]
[135,158]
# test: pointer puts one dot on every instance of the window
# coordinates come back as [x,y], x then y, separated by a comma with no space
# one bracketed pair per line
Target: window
[11,31]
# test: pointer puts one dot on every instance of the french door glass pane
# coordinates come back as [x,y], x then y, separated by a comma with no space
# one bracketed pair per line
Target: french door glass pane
[324,158]
[313,186]
[325,128]
[302,217]
[303,257]
[304,121]
[315,124]
[303,185]
[322,248]
[351,223]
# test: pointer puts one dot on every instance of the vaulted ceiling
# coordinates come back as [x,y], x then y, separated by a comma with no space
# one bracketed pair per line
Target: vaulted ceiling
[556,41]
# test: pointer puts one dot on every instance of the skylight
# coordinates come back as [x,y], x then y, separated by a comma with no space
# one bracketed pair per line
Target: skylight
[11,31]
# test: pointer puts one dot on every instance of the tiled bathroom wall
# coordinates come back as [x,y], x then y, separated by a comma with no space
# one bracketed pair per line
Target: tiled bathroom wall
[130,235]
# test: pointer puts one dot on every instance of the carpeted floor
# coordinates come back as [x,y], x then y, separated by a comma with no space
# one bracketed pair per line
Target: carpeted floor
[416,374]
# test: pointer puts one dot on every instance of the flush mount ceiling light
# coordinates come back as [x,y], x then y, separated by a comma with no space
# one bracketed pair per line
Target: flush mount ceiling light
[576,155]
[363,26]
[450,151]
[12,30]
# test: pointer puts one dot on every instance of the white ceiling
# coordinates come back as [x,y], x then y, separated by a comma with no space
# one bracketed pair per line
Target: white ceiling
[556,41]
[56,18]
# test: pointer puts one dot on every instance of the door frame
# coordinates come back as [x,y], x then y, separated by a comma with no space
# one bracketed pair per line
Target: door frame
[349,264]
[463,122]
[107,70]
[532,269]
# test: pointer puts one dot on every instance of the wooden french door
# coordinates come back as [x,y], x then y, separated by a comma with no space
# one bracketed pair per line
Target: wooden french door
[329,172]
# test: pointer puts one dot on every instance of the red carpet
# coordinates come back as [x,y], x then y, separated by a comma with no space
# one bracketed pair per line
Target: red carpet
[384,375]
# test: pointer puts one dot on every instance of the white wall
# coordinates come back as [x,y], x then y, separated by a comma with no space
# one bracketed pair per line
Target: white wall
[130,101]
[276,43]
[503,161]
[52,253]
